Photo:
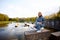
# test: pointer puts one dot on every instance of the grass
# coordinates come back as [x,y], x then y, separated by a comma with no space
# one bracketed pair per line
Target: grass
[4,23]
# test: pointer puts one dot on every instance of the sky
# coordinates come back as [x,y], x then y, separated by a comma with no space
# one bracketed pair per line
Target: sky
[28,8]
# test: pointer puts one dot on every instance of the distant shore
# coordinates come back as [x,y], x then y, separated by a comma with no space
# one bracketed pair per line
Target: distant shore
[4,23]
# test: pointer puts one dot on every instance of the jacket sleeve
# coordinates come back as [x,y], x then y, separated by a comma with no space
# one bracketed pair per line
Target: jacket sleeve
[43,21]
[36,21]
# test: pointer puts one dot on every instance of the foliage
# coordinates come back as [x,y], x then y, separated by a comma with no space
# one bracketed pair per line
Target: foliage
[3,17]
[31,19]
[4,23]
[58,15]
[55,16]
[14,19]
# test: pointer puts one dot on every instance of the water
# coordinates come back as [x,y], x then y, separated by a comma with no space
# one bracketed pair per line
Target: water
[12,32]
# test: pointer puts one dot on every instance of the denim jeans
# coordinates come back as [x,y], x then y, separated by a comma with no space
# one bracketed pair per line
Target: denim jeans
[39,26]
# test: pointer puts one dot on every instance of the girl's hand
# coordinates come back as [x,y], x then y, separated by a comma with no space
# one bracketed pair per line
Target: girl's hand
[39,22]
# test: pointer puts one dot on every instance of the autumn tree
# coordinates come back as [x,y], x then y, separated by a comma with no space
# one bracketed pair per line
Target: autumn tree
[4,17]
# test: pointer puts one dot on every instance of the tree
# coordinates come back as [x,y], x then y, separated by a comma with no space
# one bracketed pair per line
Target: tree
[3,17]
[58,15]
[46,17]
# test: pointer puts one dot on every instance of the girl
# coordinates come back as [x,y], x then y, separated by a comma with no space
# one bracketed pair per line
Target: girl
[39,21]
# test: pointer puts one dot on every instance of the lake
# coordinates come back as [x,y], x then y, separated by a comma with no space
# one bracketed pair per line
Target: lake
[11,32]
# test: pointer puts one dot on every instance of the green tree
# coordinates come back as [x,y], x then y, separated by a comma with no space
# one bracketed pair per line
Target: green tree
[58,15]
[3,17]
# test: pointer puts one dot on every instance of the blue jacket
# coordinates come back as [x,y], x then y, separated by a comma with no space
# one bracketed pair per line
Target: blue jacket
[40,19]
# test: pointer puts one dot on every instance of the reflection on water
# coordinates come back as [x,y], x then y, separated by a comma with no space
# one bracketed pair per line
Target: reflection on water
[11,31]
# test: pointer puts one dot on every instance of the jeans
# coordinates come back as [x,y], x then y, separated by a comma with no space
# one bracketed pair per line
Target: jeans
[39,26]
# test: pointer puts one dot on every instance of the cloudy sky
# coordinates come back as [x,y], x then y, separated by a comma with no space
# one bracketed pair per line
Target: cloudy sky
[28,8]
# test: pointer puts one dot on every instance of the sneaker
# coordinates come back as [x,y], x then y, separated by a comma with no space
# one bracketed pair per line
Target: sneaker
[39,31]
